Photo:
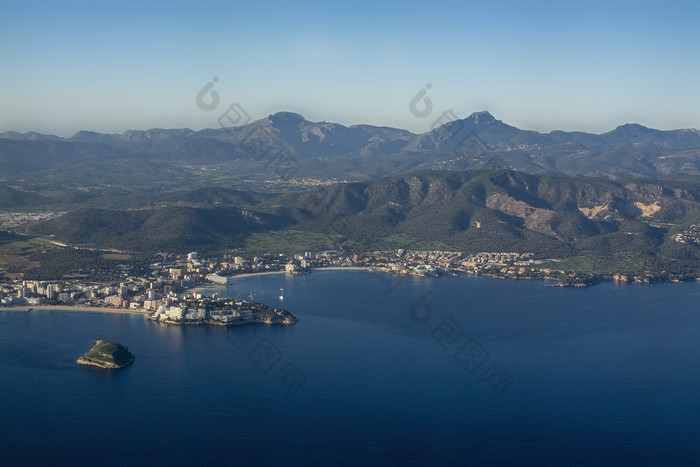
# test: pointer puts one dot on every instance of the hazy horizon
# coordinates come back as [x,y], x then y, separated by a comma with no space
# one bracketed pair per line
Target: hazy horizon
[539,66]
[215,127]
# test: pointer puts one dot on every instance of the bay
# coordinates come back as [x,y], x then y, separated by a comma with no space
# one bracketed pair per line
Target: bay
[378,370]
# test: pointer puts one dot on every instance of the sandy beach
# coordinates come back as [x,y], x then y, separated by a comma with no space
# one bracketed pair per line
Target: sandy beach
[266,273]
[343,268]
[250,274]
[94,309]
[327,268]
[215,286]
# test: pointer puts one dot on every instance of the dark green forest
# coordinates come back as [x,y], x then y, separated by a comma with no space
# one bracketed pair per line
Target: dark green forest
[628,224]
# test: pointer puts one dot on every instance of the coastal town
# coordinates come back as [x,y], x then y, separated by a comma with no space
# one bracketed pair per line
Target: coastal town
[182,287]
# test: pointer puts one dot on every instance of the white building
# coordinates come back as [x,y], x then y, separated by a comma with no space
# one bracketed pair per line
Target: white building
[217,279]
[199,313]
[176,313]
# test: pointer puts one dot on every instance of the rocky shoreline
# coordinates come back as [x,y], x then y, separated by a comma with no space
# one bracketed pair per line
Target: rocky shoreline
[107,354]
[231,314]
[215,322]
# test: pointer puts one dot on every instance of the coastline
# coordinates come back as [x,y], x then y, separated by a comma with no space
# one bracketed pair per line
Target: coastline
[122,311]
[343,268]
[91,309]
[214,286]
[250,274]
[324,268]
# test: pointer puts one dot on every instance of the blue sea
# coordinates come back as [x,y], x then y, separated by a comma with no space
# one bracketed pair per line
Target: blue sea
[379,370]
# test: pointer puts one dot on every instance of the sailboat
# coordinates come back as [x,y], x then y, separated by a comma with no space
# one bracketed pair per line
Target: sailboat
[281,293]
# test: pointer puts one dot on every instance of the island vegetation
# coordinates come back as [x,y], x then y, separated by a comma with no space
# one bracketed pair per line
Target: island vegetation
[107,354]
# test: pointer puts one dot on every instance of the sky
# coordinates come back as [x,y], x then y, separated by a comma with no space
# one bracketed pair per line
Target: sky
[109,66]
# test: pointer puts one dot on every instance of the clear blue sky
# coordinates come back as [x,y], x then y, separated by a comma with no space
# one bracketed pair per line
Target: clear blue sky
[109,66]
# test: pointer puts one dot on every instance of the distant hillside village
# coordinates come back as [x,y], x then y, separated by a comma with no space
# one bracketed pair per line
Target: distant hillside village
[689,235]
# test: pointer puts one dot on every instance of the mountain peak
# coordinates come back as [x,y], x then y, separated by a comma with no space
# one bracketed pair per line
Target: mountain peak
[29,136]
[280,117]
[630,130]
[631,126]
[481,117]
[86,134]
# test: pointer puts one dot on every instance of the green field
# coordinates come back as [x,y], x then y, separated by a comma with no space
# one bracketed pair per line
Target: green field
[596,265]
[287,241]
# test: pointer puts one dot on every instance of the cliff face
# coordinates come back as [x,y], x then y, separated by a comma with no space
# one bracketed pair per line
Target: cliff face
[516,209]
[274,316]
[107,354]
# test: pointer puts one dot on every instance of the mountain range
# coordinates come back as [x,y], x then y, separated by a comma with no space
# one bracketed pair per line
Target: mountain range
[284,151]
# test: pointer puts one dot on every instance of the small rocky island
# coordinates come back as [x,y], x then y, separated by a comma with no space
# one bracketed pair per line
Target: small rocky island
[107,354]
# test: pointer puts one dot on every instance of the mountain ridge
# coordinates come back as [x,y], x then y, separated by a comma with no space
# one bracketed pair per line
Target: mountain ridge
[284,146]
[478,117]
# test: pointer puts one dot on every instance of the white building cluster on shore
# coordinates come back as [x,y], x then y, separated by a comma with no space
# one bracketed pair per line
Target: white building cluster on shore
[172,276]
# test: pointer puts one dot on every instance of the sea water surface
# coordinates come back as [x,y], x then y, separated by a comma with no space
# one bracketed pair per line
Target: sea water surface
[378,370]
